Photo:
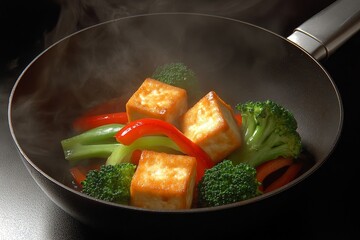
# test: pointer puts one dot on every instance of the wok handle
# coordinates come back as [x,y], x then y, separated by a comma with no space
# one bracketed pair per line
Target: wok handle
[323,33]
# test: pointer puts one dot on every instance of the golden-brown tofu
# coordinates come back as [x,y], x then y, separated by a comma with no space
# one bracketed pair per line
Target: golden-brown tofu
[211,124]
[159,100]
[163,181]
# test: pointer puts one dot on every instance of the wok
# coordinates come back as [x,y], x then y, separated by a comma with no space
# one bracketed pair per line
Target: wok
[238,60]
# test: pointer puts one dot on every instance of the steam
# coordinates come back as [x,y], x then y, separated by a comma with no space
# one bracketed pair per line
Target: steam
[79,14]
[112,60]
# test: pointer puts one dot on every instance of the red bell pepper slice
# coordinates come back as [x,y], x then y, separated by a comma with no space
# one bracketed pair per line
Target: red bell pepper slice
[85,123]
[135,156]
[150,126]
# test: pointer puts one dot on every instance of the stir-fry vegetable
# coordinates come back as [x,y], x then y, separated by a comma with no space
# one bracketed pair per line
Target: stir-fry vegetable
[78,176]
[290,174]
[227,183]
[110,182]
[146,126]
[270,167]
[179,75]
[269,131]
[98,142]
[85,123]
[124,153]
[266,138]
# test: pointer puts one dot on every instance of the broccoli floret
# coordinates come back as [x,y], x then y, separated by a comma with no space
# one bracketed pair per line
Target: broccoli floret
[110,183]
[179,75]
[269,131]
[227,183]
[176,74]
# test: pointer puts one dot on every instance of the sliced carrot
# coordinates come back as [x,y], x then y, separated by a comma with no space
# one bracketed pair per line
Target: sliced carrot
[92,166]
[289,175]
[238,119]
[79,172]
[78,175]
[271,166]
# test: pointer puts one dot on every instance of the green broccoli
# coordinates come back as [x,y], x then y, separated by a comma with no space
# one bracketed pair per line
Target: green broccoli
[227,183]
[269,131]
[110,183]
[179,75]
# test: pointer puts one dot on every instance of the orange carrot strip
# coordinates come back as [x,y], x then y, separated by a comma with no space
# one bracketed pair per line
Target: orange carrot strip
[78,175]
[238,118]
[92,166]
[289,175]
[271,166]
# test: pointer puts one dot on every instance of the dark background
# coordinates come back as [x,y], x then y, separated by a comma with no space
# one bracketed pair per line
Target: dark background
[323,205]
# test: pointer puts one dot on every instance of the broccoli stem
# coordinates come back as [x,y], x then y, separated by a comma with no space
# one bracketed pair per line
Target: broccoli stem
[122,153]
[98,142]
[269,131]
[256,157]
[99,135]
[80,152]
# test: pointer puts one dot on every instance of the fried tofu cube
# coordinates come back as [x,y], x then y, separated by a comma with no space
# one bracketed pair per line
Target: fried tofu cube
[155,99]
[163,181]
[211,124]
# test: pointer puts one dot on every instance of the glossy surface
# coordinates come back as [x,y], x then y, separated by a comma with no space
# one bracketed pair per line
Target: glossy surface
[324,33]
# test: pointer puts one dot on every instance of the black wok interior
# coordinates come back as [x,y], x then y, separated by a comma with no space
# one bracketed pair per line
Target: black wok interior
[239,61]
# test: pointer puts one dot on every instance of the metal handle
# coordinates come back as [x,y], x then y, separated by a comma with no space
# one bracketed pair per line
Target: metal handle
[323,33]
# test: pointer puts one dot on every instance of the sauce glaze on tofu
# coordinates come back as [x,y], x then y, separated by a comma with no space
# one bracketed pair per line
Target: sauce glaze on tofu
[159,100]
[211,124]
[163,181]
